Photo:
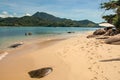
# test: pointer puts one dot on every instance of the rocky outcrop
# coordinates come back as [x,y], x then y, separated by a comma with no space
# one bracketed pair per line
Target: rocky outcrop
[99,32]
[111,32]
[40,73]
[113,40]
[103,32]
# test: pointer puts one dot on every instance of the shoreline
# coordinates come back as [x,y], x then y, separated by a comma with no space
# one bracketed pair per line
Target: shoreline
[36,38]
[73,58]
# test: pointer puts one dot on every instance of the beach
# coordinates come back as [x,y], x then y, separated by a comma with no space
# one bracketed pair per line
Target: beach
[72,58]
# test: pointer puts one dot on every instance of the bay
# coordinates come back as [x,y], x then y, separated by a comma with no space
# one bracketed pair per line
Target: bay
[9,35]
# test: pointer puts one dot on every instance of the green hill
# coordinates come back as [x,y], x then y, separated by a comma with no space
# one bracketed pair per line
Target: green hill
[44,19]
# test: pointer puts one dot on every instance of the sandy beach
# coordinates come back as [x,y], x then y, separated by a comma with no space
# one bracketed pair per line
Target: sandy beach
[73,58]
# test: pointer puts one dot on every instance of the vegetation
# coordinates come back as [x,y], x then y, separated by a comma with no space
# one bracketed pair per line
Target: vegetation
[44,19]
[112,18]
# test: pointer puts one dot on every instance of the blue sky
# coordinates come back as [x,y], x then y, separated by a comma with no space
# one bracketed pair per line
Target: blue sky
[71,9]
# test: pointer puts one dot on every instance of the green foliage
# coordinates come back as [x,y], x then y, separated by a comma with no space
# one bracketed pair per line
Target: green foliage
[109,18]
[44,19]
[109,5]
[115,18]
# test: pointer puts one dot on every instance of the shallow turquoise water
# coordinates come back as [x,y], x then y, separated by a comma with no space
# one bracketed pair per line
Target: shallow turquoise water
[9,35]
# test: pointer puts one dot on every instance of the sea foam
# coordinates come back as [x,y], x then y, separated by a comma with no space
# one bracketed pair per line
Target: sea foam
[3,55]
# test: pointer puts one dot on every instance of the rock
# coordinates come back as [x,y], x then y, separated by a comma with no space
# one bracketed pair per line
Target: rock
[116,43]
[111,32]
[107,28]
[91,36]
[40,73]
[29,33]
[99,32]
[70,32]
[25,34]
[16,45]
[102,37]
[113,40]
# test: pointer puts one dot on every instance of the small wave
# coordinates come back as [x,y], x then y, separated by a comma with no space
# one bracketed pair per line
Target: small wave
[3,55]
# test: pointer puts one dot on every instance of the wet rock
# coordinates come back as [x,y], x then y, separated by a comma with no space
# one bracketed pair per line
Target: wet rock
[40,73]
[16,45]
[29,33]
[70,32]
[25,34]
[99,32]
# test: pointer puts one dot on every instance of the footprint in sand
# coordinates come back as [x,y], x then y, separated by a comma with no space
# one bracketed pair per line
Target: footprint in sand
[90,68]
[101,71]
[106,78]
[82,47]
[119,72]
[90,58]
[91,49]
[88,51]
[115,66]
[95,78]
[94,62]
[92,53]
[99,56]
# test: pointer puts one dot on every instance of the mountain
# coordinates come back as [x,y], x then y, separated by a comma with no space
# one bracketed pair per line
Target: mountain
[47,16]
[44,19]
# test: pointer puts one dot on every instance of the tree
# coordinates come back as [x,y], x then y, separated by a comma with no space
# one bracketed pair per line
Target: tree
[112,18]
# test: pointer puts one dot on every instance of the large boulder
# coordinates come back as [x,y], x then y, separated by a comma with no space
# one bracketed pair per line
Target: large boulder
[40,73]
[111,32]
[113,40]
[99,32]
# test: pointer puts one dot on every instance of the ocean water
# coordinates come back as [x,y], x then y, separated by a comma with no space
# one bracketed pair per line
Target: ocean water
[9,35]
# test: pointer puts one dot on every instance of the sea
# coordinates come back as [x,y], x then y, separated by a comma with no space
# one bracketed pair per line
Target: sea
[10,35]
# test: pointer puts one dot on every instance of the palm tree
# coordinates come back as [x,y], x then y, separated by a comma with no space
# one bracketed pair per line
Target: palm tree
[115,6]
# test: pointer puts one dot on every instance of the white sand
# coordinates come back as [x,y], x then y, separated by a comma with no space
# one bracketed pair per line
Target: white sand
[76,58]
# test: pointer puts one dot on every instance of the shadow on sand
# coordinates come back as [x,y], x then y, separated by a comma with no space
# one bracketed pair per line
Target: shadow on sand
[110,60]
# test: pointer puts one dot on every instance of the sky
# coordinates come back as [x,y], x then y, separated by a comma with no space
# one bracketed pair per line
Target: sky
[70,9]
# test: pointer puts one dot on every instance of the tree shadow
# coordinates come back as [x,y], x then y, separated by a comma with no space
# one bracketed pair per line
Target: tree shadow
[110,60]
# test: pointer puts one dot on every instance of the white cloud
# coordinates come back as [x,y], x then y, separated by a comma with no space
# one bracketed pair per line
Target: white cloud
[5,14]
[27,14]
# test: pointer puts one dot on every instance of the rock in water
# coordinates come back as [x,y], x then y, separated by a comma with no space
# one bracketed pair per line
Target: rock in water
[39,73]
[29,33]
[70,32]
[16,45]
